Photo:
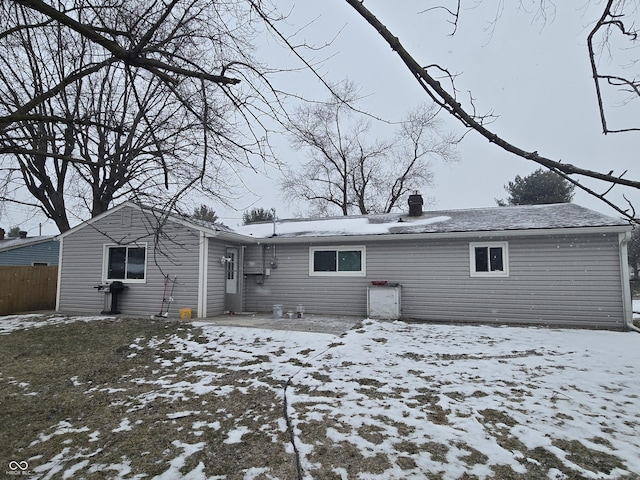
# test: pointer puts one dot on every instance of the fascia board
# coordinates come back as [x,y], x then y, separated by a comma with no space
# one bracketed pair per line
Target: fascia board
[236,237]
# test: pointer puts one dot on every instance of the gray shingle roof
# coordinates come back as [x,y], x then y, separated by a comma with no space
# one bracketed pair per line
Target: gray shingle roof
[523,217]
[490,219]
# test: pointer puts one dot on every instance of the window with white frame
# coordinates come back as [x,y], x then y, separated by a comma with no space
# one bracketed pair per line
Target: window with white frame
[337,261]
[125,263]
[489,259]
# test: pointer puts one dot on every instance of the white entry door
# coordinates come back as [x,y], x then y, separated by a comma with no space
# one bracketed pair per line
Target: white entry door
[232,270]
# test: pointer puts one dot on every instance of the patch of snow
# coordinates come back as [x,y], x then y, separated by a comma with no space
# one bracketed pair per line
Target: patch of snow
[175,466]
[63,428]
[186,413]
[335,226]
[10,323]
[125,426]
[71,471]
[235,436]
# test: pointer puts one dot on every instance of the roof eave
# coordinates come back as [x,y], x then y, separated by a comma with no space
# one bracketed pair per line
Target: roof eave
[607,229]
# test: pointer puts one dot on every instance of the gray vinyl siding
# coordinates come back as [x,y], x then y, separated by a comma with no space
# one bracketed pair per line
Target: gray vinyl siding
[45,252]
[289,284]
[174,253]
[561,281]
[254,260]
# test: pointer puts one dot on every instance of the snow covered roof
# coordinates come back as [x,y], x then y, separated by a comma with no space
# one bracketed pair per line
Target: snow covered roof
[11,243]
[491,219]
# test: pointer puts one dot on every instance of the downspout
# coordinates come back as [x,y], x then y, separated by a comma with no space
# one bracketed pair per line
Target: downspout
[627,303]
[203,264]
[59,274]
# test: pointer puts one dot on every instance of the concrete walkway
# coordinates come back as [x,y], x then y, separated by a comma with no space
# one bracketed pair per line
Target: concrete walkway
[334,325]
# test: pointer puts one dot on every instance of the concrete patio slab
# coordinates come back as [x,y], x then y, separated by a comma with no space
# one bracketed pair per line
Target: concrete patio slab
[331,324]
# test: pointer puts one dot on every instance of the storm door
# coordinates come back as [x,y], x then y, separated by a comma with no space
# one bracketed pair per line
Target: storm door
[233,279]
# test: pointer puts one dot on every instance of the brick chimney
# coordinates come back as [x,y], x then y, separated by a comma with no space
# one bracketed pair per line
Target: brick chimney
[415,204]
[2,233]
[22,233]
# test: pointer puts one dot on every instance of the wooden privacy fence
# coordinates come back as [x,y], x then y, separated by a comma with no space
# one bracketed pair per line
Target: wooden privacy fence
[23,289]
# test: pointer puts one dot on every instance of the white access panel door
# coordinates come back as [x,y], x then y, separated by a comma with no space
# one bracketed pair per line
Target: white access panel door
[384,301]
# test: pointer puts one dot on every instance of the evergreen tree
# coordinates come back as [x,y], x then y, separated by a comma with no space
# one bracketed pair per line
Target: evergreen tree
[540,187]
[257,215]
[205,213]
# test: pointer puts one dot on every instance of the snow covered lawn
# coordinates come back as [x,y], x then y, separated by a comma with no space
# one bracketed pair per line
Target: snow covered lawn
[387,400]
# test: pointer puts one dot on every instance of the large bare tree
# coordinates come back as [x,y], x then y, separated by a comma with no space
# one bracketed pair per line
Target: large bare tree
[201,51]
[349,172]
[126,99]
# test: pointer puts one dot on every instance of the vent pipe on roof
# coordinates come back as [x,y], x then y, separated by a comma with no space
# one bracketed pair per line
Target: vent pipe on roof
[273,212]
[415,204]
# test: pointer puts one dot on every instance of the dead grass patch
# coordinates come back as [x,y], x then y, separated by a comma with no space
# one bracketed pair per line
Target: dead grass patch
[589,458]
[437,451]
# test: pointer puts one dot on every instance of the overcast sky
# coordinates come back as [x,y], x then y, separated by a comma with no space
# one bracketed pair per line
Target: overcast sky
[535,77]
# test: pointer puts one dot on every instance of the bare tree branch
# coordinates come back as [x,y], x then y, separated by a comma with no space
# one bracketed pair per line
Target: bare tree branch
[434,89]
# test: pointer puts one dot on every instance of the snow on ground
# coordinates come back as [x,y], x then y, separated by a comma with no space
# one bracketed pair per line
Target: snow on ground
[410,399]
[10,323]
[502,392]
[497,392]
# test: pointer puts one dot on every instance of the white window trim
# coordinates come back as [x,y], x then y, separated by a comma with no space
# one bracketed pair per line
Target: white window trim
[505,259]
[105,262]
[361,273]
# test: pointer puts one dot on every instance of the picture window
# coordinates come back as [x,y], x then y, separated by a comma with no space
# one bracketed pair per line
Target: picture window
[347,261]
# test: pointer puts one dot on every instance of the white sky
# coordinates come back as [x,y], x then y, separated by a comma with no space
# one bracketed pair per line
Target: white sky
[535,77]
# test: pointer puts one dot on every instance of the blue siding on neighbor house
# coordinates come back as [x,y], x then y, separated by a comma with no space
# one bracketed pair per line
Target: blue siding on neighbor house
[44,252]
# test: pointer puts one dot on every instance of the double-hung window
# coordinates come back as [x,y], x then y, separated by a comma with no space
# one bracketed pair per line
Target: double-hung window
[337,261]
[489,259]
[125,263]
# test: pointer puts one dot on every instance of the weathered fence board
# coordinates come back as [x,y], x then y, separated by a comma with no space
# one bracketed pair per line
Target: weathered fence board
[24,289]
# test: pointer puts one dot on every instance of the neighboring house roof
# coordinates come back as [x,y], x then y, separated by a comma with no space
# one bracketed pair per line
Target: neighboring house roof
[13,243]
[528,218]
